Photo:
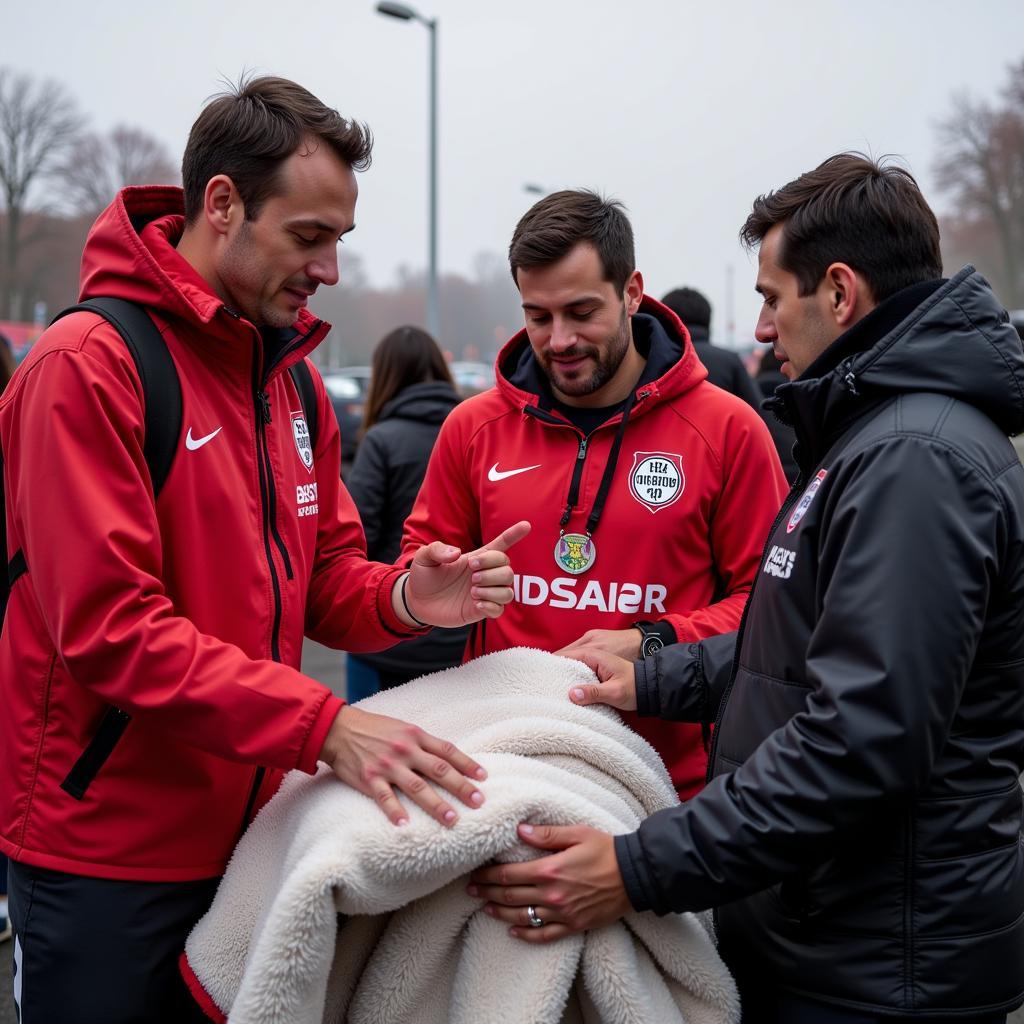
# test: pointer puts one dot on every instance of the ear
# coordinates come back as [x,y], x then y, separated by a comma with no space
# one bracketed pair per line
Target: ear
[222,205]
[633,292]
[847,294]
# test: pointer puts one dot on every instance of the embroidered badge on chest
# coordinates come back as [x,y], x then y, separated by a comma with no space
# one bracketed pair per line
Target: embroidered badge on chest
[575,552]
[805,500]
[303,443]
[656,479]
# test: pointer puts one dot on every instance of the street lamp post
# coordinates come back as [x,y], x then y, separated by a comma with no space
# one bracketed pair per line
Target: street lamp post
[404,13]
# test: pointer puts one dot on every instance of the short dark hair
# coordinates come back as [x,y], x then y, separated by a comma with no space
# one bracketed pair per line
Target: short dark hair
[690,306]
[854,210]
[556,224]
[249,131]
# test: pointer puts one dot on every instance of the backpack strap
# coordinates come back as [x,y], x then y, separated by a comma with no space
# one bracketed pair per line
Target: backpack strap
[161,387]
[303,381]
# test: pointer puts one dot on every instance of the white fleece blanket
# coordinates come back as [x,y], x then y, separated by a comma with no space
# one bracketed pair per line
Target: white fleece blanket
[414,948]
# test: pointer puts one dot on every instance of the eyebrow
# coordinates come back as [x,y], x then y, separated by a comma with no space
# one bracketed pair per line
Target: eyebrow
[318,225]
[586,300]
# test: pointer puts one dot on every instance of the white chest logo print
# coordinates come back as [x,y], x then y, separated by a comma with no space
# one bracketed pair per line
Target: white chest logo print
[494,474]
[195,443]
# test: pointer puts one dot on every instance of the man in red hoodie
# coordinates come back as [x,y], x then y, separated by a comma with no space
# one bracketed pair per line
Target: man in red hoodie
[650,490]
[150,650]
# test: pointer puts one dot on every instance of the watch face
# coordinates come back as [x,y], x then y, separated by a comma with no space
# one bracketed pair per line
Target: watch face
[651,643]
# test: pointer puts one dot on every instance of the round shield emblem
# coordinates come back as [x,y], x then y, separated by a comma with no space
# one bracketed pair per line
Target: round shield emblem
[656,479]
[575,552]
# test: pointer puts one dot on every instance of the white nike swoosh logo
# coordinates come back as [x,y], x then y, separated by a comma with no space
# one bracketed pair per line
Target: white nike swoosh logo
[192,443]
[494,475]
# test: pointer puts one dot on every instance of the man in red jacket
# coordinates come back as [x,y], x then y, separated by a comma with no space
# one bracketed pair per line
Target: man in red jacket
[150,651]
[650,490]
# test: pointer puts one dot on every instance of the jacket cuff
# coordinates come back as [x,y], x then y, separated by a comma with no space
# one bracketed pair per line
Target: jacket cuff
[648,703]
[389,620]
[310,753]
[628,853]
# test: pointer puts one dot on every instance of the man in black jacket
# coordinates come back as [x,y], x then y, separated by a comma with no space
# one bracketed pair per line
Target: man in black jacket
[861,833]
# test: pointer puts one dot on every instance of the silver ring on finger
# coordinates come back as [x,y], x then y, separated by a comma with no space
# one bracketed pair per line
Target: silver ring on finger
[533,918]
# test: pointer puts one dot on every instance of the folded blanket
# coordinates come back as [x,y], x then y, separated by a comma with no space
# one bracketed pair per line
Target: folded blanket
[413,948]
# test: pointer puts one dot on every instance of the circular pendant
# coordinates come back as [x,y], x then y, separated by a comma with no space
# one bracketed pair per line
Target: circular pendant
[575,552]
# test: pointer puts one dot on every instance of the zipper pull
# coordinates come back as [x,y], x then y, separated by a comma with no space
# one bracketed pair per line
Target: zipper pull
[582,453]
[264,400]
[849,377]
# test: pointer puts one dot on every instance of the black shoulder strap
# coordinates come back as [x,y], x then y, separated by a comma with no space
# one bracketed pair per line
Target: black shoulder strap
[161,387]
[303,381]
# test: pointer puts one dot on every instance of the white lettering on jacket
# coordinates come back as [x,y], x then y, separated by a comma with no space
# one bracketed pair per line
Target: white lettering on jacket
[585,595]
[305,498]
[780,562]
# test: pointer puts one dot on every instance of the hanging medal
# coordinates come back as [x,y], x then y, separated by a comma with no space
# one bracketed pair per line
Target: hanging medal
[576,552]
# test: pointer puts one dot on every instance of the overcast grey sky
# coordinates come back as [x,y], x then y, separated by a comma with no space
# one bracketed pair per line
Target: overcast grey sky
[683,110]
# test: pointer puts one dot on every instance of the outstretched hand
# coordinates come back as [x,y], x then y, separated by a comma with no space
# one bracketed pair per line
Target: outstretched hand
[616,680]
[576,889]
[376,755]
[448,588]
[623,642]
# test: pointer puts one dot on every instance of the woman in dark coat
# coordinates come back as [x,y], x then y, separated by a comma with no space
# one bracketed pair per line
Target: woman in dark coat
[411,392]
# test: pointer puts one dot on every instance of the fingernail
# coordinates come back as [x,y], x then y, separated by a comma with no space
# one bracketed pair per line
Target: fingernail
[402,822]
[472,890]
[476,798]
[450,816]
[474,563]
[526,830]
[451,551]
[477,576]
[489,910]
[578,694]
[480,774]
[514,932]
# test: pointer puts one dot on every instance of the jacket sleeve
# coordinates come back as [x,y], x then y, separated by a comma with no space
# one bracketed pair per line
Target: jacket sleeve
[752,489]
[83,513]
[446,508]
[685,682]
[909,555]
[368,483]
[348,602]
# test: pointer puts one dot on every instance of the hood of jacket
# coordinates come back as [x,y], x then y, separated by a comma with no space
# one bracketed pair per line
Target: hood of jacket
[957,342]
[427,402]
[672,362]
[130,254]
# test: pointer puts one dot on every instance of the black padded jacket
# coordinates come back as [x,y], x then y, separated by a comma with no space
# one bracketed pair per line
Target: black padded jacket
[860,834]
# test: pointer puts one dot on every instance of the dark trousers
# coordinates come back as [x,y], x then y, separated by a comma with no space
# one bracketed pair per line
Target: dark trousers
[95,951]
[766,1007]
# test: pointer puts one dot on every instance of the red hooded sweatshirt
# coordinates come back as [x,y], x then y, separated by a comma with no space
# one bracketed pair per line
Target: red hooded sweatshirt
[693,492]
[188,613]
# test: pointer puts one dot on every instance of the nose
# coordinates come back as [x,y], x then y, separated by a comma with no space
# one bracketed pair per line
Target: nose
[765,329]
[325,268]
[562,335]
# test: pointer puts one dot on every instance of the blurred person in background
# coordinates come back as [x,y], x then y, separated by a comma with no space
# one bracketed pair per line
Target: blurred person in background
[768,378]
[725,368]
[411,392]
[649,490]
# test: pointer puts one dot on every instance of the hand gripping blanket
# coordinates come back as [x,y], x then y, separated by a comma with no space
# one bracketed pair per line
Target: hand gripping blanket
[413,947]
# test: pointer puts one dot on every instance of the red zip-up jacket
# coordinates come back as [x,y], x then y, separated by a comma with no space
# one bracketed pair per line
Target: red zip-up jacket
[695,488]
[187,614]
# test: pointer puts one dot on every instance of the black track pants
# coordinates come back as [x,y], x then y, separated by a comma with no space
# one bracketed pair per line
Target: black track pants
[93,951]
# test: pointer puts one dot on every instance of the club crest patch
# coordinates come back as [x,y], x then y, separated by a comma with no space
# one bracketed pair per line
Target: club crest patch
[575,552]
[303,443]
[656,479]
[805,500]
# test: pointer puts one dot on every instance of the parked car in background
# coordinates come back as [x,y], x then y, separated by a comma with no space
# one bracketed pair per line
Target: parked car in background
[472,378]
[347,389]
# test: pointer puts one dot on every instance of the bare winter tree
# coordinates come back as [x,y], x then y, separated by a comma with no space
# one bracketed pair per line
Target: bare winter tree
[981,167]
[38,123]
[97,166]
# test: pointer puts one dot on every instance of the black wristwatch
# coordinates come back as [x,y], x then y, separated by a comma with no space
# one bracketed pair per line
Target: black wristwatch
[654,636]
